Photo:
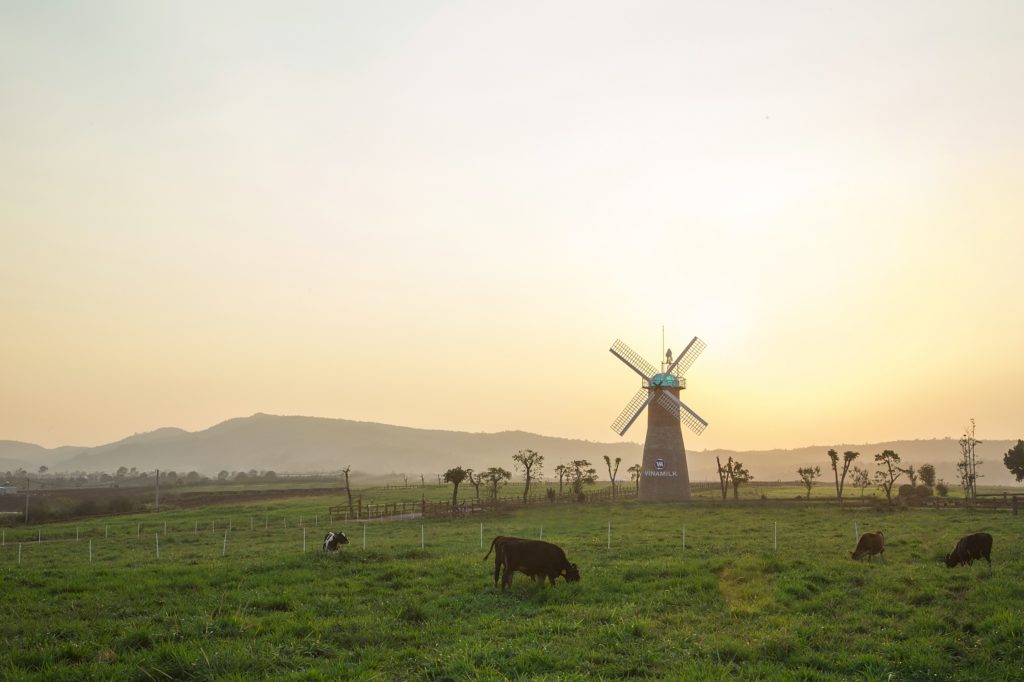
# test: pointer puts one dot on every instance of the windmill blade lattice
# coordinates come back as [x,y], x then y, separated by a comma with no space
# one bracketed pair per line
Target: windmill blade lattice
[687,357]
[633,360]
[632,410]
[678,408]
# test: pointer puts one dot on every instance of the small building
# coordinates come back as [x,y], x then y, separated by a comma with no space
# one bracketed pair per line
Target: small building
[8,489]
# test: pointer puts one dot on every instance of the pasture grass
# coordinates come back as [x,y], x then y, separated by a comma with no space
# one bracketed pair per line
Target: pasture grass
[725,606]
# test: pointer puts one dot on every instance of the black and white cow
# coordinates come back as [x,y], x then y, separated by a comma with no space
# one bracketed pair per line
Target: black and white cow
[333,541]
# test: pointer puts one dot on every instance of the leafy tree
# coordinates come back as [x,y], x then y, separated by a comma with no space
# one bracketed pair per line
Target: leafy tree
[861,479]
[562,472]
[927,474]
[531,465]
[612,472]
[43,469]
[581,473]
[912,474]
[455,476]
[968,464]
[496,477]
[223,475]
[890,471]
[634,473]
[739,476]
[122,472]
[941,488]
[848,458]
[1014,460]
[807,475]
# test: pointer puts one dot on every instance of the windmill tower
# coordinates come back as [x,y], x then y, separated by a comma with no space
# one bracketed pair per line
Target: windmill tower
[663,475]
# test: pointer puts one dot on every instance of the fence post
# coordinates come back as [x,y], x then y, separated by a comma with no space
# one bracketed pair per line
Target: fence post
[364,536]
[224,551]
[157,545]
[303,539]
[684,537]
[775,540]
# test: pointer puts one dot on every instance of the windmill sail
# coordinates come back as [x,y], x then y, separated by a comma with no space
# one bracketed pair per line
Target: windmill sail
[678,409]
[632,410]
[633,360]
[687,357]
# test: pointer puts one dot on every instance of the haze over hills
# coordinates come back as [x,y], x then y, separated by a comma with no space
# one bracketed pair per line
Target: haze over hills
[305,444]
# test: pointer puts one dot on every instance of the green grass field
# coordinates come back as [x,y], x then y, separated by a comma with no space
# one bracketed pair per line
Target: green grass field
[727,605]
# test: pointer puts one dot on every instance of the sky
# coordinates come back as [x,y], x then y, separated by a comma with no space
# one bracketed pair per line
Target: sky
[442,214]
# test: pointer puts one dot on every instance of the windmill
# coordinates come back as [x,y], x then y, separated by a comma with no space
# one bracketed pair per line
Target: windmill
[663,476]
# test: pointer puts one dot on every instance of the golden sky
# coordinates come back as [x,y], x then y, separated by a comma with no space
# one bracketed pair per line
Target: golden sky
[442,215]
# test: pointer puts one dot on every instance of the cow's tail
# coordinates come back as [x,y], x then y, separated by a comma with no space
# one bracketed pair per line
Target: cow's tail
[493,542]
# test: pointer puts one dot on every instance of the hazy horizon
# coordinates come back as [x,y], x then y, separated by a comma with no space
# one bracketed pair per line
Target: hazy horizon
[442,214]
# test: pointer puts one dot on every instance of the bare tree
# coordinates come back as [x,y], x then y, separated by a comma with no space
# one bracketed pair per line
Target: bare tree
[531,465]
[475,482]
[612,472]
[724,474]
[348,488]
[968,464]
[807,475]
[886,477]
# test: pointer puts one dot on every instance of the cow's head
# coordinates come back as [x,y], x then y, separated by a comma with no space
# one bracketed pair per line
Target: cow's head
[951,561]
[572,574]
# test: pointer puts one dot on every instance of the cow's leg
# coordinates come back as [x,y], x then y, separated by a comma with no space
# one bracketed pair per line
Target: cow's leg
[497,569]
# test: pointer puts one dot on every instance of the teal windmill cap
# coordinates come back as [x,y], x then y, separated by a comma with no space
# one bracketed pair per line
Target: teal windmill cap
[663,379]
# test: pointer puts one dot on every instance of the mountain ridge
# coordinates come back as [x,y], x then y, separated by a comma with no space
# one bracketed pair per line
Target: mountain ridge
[294,443]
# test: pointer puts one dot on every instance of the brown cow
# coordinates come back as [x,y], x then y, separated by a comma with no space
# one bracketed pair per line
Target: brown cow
[870,544]
[537,559]
[971,547]
[498,547]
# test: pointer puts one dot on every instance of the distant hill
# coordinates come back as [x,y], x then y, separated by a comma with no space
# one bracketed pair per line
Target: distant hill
[308,444]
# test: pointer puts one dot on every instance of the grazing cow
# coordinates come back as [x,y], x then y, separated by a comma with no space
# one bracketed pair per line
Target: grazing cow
[870,544]
[498,547]
[537,559]
[333,541]
[971,547]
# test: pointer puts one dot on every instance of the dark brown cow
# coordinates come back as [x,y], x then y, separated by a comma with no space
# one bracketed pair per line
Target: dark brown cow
[498,547]
[971,547]
[870,544]
[537,559]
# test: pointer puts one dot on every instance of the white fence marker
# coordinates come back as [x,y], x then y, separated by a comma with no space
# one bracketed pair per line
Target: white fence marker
[316,519]
[39,537]
[77,539]
[19,554]
[775,538]
[4,541]
[230,526]
[224,552]
[856,532]
[106,531]
[364,536]
[266,522]
[157,545]
[165,528]
[542,531]
[138,530]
